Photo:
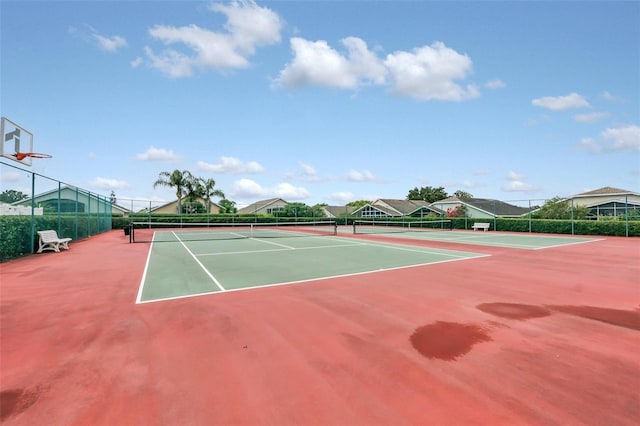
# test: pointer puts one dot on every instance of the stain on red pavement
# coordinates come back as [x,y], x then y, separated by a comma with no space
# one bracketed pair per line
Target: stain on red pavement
[618,317]
[447,340]
[14,401]
[514,310]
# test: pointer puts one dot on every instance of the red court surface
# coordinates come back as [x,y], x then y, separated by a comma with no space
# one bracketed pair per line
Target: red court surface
[547,337]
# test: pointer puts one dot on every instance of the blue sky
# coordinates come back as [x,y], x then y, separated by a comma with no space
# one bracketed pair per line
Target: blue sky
[327,101]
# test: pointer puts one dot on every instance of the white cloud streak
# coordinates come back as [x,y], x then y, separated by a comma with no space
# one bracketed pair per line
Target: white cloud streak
[364,176]
[109,184]
[614,139]
[157,154]
[561,103]
[231,165]
[247,188]
[517,182]
[591,117]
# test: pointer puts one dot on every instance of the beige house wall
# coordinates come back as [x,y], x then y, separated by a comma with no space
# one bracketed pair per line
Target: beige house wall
[600,199]
[172,208]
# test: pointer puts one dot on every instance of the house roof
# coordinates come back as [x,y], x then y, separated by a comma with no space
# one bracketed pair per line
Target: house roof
[258,205]
[336,211]
[605,190]
[67,188]
[491,206]
[405,207]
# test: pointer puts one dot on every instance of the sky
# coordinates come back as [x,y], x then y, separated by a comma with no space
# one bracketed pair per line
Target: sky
[326,101]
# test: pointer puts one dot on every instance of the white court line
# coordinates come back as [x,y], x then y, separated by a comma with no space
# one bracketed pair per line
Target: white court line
[144,273]
[570,244]
[272,243]
[405,248]
[200,263]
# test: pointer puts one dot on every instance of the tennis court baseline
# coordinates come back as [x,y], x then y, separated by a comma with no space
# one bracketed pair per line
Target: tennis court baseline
[442,232]
[191,268]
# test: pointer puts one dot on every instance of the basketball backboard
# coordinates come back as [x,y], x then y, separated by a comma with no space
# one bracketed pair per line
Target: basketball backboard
[15,139]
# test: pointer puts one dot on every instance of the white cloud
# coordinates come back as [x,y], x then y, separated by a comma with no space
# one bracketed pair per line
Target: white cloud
[109,44]
[562,103]
[137,62]
[105,183]
[247,188]
[515,176]
[10,177]
[609,97]
[626,138]
[231,165]
[590,145]
[517,183]
[426,73]
[308,170]
[622,138]
[365,176]
[495,84]
[591,117]
[248,26]
[91,35]
[290,192]
[157,154]
[342,197]
[316,63]
[430,72]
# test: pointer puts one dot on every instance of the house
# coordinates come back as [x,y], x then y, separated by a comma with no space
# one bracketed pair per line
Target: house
[480,208]
[607,201]
[385,207]
[269,206]
[70,199]
[172,206]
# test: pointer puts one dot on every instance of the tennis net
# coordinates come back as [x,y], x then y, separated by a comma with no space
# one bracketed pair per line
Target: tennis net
[384,227]
[141,232]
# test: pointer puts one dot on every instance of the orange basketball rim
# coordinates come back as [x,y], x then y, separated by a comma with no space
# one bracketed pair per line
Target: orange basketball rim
[22,155]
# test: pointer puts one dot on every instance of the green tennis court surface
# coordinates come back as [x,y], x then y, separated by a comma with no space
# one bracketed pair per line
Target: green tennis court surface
[491,238]
[189,268]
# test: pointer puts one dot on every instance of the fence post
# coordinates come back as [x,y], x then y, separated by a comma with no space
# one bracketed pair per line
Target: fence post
[572,222]
[33,214]
[626,215]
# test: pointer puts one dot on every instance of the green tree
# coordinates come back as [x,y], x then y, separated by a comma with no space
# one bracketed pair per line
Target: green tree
[557,208]
[295,210]
[11,196]
[428,194]
[227,206]
[462,194]
[359,203]
[177,179]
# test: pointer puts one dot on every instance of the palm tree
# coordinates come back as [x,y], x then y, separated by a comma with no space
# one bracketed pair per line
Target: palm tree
[176,179]
[208,190]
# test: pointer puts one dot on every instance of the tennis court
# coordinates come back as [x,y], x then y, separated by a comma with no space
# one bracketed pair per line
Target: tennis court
[515,337]
[206,259]
[440,230]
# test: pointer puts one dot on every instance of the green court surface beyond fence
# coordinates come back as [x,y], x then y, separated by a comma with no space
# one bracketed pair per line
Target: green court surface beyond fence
[42,203]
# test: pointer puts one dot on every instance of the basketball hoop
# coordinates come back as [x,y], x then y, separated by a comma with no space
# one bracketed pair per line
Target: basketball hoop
[22,155]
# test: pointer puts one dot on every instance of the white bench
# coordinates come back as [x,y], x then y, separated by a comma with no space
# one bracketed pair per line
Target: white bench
[481,225]
[49,240]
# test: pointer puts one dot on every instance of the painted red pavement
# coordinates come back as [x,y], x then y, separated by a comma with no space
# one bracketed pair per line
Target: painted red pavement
[520,337]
